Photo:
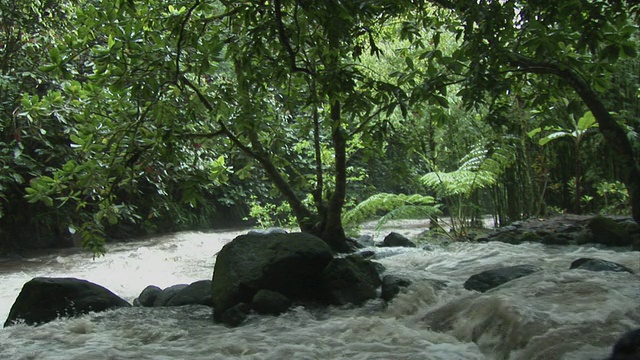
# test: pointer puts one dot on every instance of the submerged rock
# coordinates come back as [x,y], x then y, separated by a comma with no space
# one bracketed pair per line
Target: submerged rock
[599,265]
[45,299]
[235,315]
[196,293]
[391,286]
[396,239]
[350,280]
[270,302]
[627,347]
[495,277]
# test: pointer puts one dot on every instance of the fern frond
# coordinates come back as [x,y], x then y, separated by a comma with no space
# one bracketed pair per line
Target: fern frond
[409,212]
[383,202]
[459,182]
[480,168]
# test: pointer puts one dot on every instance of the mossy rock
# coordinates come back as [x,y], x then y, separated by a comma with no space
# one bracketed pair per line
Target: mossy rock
[609,232]
[530,236]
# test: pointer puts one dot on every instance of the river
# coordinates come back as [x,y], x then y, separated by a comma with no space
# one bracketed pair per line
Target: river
[555,313]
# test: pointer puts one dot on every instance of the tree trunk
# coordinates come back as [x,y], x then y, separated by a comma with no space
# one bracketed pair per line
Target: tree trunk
[333,232]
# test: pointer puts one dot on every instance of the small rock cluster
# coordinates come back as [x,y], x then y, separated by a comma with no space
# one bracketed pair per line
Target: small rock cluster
[571,230]
[492,278]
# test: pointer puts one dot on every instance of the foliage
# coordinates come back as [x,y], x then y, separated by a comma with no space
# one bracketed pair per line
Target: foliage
[480,168]
[155,113]
[577,132]
[268,214]
[615,196]
[391,207]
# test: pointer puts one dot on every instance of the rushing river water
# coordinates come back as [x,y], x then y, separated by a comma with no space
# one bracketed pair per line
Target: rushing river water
[555,313]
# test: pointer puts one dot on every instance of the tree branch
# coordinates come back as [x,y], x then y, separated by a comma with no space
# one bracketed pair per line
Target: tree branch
[183,25]
[282,36]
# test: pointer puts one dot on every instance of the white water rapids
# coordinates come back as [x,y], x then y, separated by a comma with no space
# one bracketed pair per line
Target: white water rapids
[555,313]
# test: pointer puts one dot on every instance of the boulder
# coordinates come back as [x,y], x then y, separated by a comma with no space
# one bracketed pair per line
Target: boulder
[270,302]
[148,296]
[350,280]
[267,231]
[391,286]
[608,231]
[196,293]
[290,264]
[491,278]
[598,265]
[44,299]
[235,315]
[167,294]
[366,254]
[507,235]
[396,239]
[627,347]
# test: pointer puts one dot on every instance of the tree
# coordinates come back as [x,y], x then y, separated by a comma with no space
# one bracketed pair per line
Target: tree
[261,75]
[28,146]
[576,133]
[311,53]
[572,44]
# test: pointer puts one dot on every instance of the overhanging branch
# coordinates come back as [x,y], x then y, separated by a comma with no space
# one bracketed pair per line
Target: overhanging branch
[282,36]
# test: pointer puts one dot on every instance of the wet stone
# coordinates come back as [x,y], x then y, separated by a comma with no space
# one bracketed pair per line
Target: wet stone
[489,279]
[598,265]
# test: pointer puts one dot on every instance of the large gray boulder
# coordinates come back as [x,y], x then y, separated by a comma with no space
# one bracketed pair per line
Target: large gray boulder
[495,277]
[44,299]
[290,264]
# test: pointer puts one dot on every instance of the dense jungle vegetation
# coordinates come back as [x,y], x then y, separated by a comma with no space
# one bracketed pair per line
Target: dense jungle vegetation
[121,118]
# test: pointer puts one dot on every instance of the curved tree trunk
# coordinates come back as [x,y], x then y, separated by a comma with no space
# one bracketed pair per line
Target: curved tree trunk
[614,134]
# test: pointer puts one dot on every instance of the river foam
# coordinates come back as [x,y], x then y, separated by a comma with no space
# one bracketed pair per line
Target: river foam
[555,313]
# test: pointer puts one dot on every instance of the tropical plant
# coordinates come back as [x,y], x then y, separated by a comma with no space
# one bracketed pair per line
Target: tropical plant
[386,207]
[615,196]
[555,45]
[479,169]
[579,130]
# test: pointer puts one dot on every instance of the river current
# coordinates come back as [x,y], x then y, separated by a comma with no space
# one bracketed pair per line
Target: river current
[555,313]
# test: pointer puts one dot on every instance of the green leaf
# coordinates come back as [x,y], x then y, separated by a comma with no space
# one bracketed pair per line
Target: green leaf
[409,61]
[110,41]
[553,136]
[587,122]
